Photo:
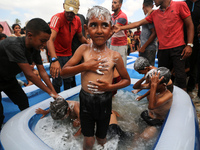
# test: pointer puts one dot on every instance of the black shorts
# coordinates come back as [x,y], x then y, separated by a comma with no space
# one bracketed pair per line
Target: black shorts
[115,130]
[95,108]
[152,122]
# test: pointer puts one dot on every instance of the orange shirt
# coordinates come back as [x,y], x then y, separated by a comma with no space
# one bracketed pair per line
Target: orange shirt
[169,24]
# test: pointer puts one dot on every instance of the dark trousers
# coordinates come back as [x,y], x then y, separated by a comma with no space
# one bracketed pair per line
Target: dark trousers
[198,70]
[171,58]
[193,59]
[57,82]
[14,91]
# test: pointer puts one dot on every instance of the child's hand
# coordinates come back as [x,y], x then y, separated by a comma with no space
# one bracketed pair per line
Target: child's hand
[96,65]
[138,98]
[41,111]
[76,123]
[135,91]
[155,78]
[98,87]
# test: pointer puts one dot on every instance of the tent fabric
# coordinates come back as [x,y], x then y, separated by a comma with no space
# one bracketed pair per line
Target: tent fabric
[7,30]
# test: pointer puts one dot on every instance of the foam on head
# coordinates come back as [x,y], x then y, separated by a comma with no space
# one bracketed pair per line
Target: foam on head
[141,63]
[98,12]
[165,72]
[58,109]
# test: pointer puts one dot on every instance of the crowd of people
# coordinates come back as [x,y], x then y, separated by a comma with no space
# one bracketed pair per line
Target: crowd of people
[97,47]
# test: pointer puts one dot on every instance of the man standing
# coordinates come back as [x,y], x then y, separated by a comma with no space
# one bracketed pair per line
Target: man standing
[194,6]
[64,26]
[119,40]
[168,21]
[148,36]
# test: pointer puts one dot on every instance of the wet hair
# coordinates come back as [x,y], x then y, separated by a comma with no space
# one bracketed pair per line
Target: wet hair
[1,26]
[14,25]
[98,12]
[141,63]
[2,35]
[37,25]
[148,3]
[166,73]
[58,109]
[163,72]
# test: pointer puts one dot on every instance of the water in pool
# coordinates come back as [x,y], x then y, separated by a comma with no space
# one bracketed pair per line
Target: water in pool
[59,134]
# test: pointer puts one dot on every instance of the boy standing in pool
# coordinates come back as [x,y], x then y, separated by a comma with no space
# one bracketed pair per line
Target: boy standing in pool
[16,55]
[160,101]
[97,67]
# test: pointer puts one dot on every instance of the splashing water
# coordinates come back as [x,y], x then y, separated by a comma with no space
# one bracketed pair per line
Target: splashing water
[58,134]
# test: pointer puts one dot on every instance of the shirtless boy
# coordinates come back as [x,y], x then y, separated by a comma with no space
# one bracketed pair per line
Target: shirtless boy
[61,109]
[160,101]
[142,66]
[98,63]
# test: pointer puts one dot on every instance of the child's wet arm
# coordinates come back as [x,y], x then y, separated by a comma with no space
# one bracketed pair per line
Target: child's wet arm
[152,97]
[137,85]
[70,70]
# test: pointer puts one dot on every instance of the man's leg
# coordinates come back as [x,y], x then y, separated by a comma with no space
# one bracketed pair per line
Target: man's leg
[122,50]
[57,82]
[67,82]
[17,95]
[179,67]
[193,68]
[163,58]
[150,55]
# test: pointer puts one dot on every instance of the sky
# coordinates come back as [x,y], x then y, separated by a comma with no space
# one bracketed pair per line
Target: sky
[25,10]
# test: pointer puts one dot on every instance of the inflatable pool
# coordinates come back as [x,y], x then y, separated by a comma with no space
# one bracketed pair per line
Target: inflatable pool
[180,130]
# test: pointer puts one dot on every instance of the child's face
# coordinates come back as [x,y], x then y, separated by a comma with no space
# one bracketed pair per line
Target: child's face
[17,29]
[99,30]
[133,42]
[38,41]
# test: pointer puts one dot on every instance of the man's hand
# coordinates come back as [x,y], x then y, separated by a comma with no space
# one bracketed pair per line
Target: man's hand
[117,28]
[55,69]
[57,97]
[187,51]
[141,50]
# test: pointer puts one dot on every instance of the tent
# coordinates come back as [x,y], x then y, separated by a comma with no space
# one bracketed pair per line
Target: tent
[6,28]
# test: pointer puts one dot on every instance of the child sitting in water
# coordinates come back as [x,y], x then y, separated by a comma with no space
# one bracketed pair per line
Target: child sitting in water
[98,63]
[160,101]
[142,66]
[61,109]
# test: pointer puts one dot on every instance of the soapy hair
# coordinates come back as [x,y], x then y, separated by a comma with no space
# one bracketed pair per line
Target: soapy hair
[98,12]
[141,63]
[58,109]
